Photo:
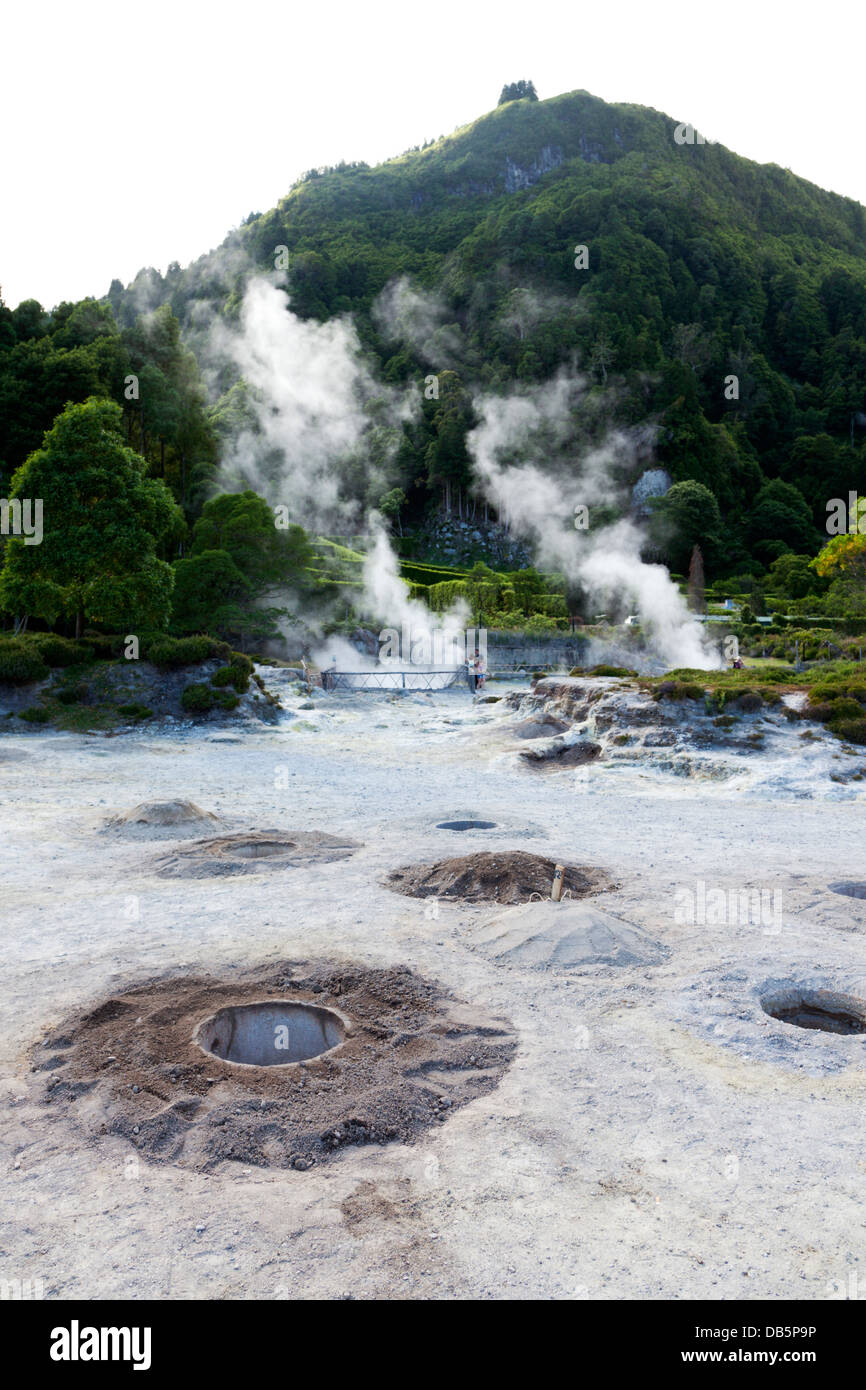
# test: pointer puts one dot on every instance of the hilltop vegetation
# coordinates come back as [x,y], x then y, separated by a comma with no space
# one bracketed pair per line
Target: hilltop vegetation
[700,267]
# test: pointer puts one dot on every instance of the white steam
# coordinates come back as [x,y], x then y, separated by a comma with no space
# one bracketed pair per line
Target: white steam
[536,475]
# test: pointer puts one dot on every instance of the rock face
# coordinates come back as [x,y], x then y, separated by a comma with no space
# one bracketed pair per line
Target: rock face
[561,754]
[539,726]
[550,157]
[565,935]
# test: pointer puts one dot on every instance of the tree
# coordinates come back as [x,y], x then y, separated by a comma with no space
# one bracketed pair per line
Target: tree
[243,525]
[516,91]
[794,576]
[392,504]
[208,588]
[780,520]
[697,588]
[843,560]
[687,516]
[238,558]
[103,520]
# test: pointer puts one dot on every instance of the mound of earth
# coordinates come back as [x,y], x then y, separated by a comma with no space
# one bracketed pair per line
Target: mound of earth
[155,820]
[508,876]
[560,754]
[253,851]
[562,936]
[412,1055]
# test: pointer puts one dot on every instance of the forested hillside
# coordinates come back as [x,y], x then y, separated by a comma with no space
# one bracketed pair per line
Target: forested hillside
[700,268]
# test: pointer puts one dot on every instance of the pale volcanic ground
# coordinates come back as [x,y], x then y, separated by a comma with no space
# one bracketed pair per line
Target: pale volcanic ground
[657,1134]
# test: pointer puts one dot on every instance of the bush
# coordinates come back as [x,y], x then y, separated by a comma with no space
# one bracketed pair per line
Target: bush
[170,653]
[20,663]
[845,709]
[137,711]
[59,651]
[35,715]
[851,730]
[71,694]
[679,690]
[232,675]
[611,671]
[198,699]
[748,701]
[103,645]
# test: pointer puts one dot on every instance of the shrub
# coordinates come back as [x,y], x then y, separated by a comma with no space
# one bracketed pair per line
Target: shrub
[851,730]
[59,651]
[198,699]
[72,694]
[136,711]
[611,671]
[20,663]
[679,690]
[36,714]
[225,700]
[232,675]
[845,709]
[170,653]
[748,701]
[102,645]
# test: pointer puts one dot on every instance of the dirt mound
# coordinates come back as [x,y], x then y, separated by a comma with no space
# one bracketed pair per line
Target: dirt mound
[253,851]
[564,936]
[559,754]
[510,876]
[157,820]
[412,1054]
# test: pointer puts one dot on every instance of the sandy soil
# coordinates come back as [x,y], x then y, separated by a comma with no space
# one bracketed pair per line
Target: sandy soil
[656,1135]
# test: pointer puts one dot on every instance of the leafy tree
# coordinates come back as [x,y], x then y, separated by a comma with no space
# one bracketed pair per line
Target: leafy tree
[243,525]
[103,520]
[843,560]
[687,516]
[239,557]
[207,589]
[516,91]
[794,575]
[391,504]
[780,520]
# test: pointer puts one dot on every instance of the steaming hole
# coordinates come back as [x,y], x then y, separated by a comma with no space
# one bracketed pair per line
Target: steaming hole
[271,1034]
[817,1009]
[849,890]
[467,825]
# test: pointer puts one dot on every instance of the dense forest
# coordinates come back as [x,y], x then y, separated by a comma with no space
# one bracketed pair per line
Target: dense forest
[719,301]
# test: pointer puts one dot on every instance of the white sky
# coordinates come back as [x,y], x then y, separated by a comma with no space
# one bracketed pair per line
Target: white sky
[139,134]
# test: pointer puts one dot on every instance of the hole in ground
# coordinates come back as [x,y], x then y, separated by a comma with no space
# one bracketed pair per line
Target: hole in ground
[817,1009]
[270,1034]
[466,825]
[849,890]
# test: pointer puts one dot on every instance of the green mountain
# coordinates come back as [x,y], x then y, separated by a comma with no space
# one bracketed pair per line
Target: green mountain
[701,267]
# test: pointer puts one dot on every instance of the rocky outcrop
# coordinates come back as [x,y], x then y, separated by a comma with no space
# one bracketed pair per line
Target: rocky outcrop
[517,177]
